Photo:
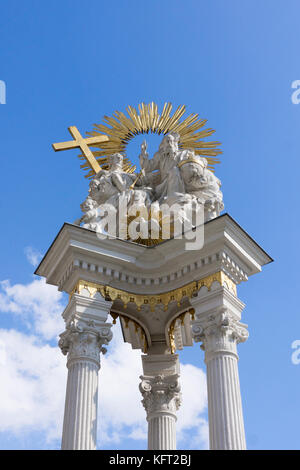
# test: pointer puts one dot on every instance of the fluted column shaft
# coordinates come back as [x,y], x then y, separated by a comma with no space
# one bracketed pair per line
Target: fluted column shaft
[80,430]
[162,432]
[226,424]
[161,399]
[220,335]
[80,418]
[83,341]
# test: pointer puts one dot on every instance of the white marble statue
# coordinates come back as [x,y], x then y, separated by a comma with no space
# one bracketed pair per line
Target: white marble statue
[165,160]
[202,183]
[172,177]
[106,185]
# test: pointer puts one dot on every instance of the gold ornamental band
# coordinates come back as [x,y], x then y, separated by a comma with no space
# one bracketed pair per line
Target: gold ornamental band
[111,293]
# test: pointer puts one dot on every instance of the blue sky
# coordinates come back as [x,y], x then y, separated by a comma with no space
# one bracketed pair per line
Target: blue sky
[71,62]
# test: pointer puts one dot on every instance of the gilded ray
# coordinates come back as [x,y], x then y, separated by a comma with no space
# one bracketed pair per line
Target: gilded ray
[121,129]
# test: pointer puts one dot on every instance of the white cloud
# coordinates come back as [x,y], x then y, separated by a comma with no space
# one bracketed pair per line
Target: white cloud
[32,377]
[32,255]
[192,428]
[119,396]
[38,304]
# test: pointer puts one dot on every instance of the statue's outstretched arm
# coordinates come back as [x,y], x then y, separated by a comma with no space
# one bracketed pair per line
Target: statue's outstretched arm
[149,165]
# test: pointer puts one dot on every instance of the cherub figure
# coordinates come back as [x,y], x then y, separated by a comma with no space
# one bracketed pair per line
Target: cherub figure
[90,216]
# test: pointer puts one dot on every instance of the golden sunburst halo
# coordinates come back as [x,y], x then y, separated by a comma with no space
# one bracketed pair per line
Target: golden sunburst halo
[121,129]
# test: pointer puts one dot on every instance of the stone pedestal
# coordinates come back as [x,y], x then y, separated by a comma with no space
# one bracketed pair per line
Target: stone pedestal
[161,399]
[86,333]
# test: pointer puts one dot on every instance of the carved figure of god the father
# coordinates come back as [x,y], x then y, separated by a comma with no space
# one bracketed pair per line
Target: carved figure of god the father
[166,161]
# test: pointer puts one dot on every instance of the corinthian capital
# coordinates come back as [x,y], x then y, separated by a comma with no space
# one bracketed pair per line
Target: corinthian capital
[85,340]
[221,331]
[160,393]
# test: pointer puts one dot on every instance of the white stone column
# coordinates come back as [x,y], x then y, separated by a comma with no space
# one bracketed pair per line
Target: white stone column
[161,399]
[86,333]
[220,334]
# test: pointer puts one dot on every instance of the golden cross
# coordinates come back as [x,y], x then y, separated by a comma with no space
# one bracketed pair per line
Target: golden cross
[83,144]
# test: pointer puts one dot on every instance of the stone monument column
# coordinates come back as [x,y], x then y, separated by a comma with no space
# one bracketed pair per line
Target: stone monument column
[220,332]
[82,341]
[161,399]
